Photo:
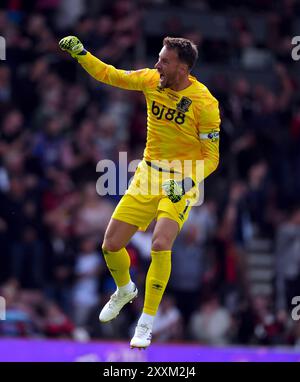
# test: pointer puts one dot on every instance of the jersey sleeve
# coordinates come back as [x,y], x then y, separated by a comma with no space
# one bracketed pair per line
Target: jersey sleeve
[209,133]
[130,80]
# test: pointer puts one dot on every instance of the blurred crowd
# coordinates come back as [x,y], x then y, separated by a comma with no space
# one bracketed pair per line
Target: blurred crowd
[57,123]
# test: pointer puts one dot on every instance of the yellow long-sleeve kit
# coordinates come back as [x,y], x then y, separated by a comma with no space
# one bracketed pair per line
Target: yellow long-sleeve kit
[182,141]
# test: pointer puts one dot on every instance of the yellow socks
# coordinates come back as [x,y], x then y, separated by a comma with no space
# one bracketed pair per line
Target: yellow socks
[157,277]
[118,264]
[156,280]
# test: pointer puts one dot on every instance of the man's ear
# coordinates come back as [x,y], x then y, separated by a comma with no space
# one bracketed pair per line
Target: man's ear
[184,69]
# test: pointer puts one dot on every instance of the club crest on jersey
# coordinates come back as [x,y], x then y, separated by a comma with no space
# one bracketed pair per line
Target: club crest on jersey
[184,104]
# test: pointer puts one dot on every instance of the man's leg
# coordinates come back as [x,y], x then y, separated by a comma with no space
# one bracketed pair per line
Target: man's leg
[116,237]
[164,235]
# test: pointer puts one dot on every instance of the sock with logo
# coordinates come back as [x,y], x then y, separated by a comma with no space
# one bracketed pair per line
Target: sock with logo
[156,280]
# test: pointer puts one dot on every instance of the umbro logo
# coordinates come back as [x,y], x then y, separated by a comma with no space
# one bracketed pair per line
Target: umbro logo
[157,286]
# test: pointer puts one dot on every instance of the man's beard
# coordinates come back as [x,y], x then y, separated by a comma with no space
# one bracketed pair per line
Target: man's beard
[165,83]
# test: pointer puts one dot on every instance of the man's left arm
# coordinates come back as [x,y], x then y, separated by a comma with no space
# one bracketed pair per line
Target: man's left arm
[209,135]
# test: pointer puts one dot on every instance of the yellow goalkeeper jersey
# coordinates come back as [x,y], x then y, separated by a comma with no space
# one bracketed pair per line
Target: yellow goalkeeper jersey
[181,125]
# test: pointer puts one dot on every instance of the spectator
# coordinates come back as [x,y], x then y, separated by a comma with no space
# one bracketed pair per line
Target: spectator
[211,323]
[86,287]
[287,254]
[168,323]
[93,213]
[56,324]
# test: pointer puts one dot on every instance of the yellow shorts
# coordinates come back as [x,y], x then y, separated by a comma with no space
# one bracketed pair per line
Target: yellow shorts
[139,206]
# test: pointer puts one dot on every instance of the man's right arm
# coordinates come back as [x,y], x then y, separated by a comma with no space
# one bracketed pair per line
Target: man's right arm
[130,80]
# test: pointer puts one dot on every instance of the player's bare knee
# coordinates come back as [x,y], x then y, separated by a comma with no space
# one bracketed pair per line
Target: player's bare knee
[161,243]
[111,245]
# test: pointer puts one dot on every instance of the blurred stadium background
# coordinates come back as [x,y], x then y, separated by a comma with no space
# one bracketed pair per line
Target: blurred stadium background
[236,264]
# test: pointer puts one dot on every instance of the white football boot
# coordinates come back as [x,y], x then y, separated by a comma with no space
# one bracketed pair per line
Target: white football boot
[142,337]
[112,308]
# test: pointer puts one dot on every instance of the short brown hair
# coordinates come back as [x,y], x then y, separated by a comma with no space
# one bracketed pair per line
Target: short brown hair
[186,50]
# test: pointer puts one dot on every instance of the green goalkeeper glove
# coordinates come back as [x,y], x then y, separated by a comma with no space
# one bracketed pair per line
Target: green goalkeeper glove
[72,45]
[176,189]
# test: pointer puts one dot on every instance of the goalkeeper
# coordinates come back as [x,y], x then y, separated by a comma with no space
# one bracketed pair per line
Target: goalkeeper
[182,133]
